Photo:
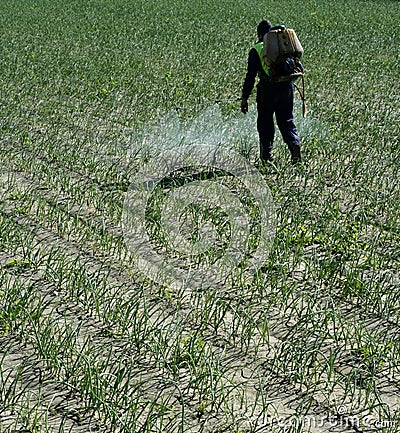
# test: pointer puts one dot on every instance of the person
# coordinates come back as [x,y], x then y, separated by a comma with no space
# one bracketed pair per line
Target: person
[272,98]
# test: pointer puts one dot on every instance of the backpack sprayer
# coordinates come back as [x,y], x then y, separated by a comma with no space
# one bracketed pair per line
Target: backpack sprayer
[279,46]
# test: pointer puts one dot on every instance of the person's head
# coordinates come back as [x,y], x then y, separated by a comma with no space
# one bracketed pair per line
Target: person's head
[263,28]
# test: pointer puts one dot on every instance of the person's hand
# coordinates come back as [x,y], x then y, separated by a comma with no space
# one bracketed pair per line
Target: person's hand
[244,106]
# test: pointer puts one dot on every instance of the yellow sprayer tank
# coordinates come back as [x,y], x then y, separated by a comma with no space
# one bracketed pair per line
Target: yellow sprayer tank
[280,43]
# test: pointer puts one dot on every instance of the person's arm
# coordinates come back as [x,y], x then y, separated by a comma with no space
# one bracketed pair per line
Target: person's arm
[253,66]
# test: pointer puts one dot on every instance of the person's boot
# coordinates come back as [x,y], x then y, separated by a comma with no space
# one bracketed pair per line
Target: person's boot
[295,151]
[266,153]
[267,159]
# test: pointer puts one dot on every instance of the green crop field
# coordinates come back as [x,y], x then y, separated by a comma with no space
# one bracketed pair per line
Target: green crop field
[90,92]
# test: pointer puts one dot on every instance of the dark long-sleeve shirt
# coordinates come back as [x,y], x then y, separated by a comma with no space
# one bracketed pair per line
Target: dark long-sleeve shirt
[253,68]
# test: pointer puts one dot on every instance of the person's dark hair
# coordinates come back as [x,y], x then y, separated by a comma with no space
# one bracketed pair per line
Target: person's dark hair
[263,27]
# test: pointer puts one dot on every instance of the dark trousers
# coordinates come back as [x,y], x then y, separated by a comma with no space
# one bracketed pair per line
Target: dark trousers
[275,98]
